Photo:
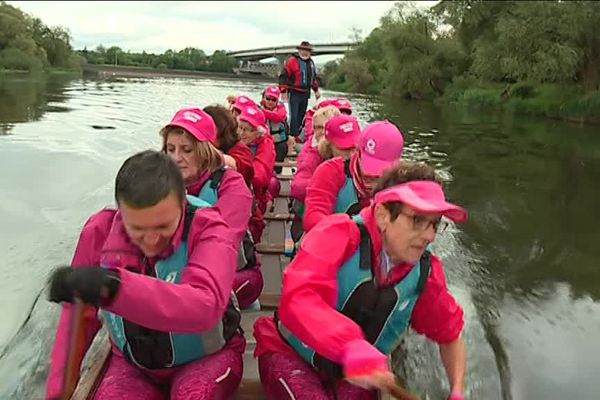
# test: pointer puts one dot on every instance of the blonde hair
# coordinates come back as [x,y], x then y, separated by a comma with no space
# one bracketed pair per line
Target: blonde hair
[209,158]
[325,114]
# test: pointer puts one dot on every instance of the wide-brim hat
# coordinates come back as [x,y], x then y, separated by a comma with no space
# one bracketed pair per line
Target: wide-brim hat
[305,45]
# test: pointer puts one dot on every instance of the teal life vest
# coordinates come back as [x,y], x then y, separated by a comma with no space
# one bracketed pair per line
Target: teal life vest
[253,148]
[347,200]
[383,313]
[279,131]
[210,194]
[151,349]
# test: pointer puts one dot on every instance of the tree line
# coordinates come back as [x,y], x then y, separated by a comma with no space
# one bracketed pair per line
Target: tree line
[190,58]
[26,43]
[519,45]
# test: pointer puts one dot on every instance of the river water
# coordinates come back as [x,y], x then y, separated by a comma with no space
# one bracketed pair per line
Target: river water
[524,267]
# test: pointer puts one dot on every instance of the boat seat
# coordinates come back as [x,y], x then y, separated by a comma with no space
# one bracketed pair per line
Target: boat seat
[272,216]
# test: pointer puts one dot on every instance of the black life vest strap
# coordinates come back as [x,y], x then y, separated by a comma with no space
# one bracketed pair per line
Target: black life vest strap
[425,267]
[364,247]
[187,221]
[216,177]
[347,169]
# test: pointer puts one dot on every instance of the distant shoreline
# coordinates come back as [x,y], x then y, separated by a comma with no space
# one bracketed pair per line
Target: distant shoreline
[145,72]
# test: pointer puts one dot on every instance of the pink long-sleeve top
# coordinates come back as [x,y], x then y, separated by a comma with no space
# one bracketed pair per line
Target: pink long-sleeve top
[195,304]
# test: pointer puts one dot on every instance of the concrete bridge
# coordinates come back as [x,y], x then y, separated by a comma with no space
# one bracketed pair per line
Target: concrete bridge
[250,59]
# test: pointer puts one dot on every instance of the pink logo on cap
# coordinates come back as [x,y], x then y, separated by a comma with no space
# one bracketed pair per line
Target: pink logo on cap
[197,123]
[381,144]
[370,146]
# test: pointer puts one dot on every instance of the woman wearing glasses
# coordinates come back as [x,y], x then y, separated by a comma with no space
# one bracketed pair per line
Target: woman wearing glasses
[276,116]
[355,287]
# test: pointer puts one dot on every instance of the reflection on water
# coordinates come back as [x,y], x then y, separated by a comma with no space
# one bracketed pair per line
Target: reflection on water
[26,97]
[523,267]
[530,186]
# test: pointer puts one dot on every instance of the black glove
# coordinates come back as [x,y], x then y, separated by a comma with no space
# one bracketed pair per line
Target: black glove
[93,285]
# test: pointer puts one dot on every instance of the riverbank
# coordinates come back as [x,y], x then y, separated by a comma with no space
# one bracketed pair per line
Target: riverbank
[145,72]
[553,101]
[561,102]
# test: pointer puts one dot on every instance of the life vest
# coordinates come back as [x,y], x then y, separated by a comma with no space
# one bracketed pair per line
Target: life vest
[347,200]
[152,349]
[347,203]
[383,313]
[279,130]
[210,194]
[306,75]
[253,148]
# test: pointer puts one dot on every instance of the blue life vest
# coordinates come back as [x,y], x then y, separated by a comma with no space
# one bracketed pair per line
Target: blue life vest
[210,194]
[151,349]
[347,200]
[383,313]
[308,72]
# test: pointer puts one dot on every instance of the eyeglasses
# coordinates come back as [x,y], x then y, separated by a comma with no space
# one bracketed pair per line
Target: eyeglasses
[421,223]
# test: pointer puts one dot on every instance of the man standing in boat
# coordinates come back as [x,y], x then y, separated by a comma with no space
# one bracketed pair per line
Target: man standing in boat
[299,75]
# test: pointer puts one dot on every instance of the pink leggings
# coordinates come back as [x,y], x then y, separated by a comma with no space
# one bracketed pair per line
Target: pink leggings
[214,377]
[287,376]
[248,285]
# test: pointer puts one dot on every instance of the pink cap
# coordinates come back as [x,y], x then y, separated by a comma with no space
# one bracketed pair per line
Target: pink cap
[343,104]
[254,116]
[198,123]
[340,103]
[243,101]
[273,91]
[380,145]
[422,196]
[325,103]
[343,131]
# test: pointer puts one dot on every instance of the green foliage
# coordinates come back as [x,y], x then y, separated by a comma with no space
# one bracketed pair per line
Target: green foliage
[527,56]
[189,58]
[26,43]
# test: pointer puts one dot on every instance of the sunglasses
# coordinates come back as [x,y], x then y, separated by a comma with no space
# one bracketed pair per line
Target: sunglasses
[270,99]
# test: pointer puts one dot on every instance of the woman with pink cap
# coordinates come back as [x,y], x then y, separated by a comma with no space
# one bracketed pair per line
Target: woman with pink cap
[189,139]
[369,277]
[276,116]
[240,102]
[253,133]
[340,103]
[346,185]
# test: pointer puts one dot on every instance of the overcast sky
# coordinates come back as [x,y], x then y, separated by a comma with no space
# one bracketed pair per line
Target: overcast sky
[159,26]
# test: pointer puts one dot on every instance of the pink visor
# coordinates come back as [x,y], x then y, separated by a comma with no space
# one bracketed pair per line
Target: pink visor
[198,123]
[424,197]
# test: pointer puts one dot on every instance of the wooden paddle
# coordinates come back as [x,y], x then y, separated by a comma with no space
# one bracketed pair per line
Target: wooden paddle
[398,392]
[75,351]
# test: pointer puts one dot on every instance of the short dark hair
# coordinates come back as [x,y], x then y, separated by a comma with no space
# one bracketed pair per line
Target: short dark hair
[146,178]
[402,172]
[227,125]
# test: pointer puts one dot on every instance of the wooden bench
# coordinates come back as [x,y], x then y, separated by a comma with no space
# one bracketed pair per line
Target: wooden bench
[290,164]
[272,216]
[283,177]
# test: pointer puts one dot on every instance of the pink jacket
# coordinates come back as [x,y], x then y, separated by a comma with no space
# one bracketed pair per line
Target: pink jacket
[278,115]
[309,294]
[308,161]
[194,305]
[234,203]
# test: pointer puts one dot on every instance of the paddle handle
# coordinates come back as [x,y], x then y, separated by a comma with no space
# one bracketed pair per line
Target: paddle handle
[75,351]
[398,392]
